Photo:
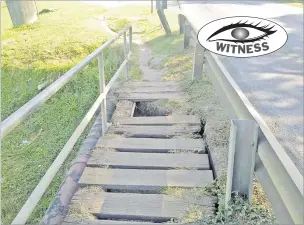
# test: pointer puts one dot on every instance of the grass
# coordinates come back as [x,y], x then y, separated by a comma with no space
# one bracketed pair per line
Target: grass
[202,101]
[31,55]
[146,25]
[116,24]
[239,211]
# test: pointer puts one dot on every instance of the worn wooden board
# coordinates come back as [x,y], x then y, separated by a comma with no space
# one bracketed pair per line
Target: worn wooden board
[116,222]
[149,180]
[130,160]
[134,206]
[159,120]
[139,97]
[151,84]
[154,131]
[151,144]
[154,89]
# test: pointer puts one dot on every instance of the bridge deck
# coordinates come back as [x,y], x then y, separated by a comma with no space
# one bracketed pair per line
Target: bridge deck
[138,159]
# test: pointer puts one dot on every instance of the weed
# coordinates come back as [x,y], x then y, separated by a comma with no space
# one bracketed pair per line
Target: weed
[187,136]
[117,24]
[193,151]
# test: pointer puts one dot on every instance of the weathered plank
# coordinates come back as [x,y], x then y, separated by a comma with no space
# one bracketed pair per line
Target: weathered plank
[151,144]
[129,160]
[139,97]
[149,180]
[145,207]
[159,120]
[152,84]
[173,88]
[116,222]
[154,131]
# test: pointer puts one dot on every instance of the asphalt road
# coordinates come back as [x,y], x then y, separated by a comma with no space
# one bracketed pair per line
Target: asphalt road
[273,83]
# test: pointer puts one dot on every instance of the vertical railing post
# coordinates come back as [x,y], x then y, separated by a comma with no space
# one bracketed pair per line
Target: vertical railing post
[181,22]
[187,34]
[130,39]
[102,86]
[241,158]
[198,61]
[126,55]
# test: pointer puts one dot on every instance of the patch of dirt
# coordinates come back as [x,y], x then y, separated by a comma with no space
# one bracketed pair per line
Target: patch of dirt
[123,109]
[145,54]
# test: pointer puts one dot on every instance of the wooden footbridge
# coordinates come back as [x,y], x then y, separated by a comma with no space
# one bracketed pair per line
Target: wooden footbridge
[134,161]
[144,158]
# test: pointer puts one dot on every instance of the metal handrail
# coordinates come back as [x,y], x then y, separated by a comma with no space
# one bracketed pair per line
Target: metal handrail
[281,180]
[31,106]
[22,113]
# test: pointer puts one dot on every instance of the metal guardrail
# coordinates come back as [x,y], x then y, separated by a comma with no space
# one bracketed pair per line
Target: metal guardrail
[22,113]
[281,180]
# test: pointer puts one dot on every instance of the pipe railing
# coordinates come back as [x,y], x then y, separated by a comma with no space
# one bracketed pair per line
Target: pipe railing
[281,180]
[31,106]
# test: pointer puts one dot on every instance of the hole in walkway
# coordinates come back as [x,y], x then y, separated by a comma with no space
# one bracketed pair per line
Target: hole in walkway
[150,109]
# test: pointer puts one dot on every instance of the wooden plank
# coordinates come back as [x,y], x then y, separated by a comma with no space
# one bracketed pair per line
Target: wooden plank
[151,145]
[152,84]
[134,206]
[154,131]
[148,180]
[116,222]
[128,160]
[174,88]
[159,120]
[139,97]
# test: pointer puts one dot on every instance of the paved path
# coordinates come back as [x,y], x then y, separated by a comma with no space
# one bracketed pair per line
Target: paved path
[273,83]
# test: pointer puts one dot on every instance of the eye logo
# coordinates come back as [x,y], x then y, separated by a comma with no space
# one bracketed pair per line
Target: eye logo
[242,36]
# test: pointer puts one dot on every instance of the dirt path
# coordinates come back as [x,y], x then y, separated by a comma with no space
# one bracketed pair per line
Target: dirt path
[144,55]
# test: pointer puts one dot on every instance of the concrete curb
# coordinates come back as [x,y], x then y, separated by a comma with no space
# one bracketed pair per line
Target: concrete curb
[59,207]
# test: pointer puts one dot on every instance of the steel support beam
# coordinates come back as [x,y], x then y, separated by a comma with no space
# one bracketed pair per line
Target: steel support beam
[241,158]
[164,21]
[198,61]
[181,22]
[187,34]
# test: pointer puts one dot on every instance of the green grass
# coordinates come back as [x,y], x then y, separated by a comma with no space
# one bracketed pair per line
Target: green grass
[116,24]
[202,101]
[43,51]
[31,55]
[146,25]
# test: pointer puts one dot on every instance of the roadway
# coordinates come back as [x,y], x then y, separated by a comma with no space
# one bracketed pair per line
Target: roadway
[273,83]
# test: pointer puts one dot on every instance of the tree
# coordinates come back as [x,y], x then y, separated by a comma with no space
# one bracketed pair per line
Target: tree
[22,12]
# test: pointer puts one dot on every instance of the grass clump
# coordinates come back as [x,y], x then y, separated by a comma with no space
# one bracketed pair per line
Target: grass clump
[117,24]
[239,211]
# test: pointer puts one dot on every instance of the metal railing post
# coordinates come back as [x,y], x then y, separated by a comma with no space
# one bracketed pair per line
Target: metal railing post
[130,39]
[126,55]
[198,61]
[103,105]
[241,158]
[181,22]
[187,34]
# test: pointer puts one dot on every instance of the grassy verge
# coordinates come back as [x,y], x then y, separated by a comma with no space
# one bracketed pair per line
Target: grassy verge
[35,54]
[202,100]
[146,25]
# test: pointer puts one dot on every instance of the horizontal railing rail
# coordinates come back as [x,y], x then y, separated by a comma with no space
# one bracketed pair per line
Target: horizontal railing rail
[31,106]
[281,180]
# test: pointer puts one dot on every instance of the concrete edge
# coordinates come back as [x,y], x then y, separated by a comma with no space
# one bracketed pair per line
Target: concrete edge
[59,206]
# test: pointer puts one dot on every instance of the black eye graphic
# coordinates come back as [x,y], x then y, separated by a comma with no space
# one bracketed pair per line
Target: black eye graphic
[242,32]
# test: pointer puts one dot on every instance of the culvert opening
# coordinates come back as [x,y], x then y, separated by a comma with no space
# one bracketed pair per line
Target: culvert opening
[149,108]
